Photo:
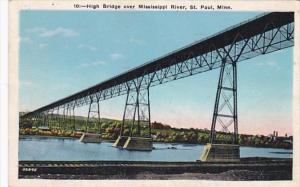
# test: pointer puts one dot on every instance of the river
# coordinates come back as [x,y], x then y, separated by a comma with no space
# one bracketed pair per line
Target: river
[67,149]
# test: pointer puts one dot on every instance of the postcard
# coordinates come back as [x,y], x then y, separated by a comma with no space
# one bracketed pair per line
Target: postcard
[156,93]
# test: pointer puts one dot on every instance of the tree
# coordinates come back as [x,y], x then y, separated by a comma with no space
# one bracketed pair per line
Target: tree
[24,123]
[241,140]
[109,130]
[104,125]
[126,132]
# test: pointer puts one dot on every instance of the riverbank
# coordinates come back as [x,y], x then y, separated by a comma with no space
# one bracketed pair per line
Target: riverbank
[110,129]
[174,143]
[70,149]
[247,169]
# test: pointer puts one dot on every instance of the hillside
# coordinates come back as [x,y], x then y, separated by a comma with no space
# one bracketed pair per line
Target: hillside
[110,129]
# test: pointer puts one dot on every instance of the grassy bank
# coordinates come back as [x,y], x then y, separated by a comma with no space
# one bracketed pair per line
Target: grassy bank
[110,130]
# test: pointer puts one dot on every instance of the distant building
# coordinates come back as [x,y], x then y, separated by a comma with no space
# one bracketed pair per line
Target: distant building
[273,136]
[286,141]
[44,128]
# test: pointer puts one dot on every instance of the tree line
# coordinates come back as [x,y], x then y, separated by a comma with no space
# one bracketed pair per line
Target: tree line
[110,130]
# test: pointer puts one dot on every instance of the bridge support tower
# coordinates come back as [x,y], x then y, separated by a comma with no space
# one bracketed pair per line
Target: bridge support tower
[135,133]
[93,120]
[225,115]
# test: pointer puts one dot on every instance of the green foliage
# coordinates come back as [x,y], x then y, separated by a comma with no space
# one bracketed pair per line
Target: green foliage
[126,132]
[161,133]
[26,123]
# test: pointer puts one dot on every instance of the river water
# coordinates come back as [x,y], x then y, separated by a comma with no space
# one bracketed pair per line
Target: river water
[44,148]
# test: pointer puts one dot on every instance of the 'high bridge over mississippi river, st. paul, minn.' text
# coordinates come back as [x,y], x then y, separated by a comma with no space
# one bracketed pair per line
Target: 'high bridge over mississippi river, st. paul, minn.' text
[261,35]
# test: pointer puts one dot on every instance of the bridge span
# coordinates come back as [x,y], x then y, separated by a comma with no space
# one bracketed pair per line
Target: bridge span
[261,35]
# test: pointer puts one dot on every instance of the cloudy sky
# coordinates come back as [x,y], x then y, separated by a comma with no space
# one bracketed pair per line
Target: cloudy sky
[63,52]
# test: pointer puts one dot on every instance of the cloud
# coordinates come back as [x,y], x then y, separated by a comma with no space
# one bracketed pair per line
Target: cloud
[43,45]
[136,41]
[60,87]
[27,84]
[116,56]
[25,40]
[36,29]
[272,63]
[59,31]
[92,64]
[269,64]
[28,40]
[89,47]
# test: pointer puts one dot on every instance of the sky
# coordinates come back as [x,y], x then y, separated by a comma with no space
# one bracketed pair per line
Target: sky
[63,52]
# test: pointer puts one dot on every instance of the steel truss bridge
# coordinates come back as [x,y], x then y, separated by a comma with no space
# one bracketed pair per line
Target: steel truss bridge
[261,35]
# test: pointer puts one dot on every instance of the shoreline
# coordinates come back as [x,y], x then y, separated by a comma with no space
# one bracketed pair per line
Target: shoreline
[176,143]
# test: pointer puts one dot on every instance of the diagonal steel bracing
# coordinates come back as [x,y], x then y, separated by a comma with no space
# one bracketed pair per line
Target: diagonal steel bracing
[225,113]
[93,119]
[137,110]
[225,110]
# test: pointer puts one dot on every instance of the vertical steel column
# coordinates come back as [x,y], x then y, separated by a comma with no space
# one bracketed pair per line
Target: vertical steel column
[40,120]
[124,114]
[215,114]
[73,117]
[148,93]
[43,120]
[134,113]
[63,118]
[94,115]
[69,124]
[144,112]
[235,114]
[88,118]
[225,113]
[51,119]
[58,118]
[99,117]
[36,120]
[137,111]
[46,122]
